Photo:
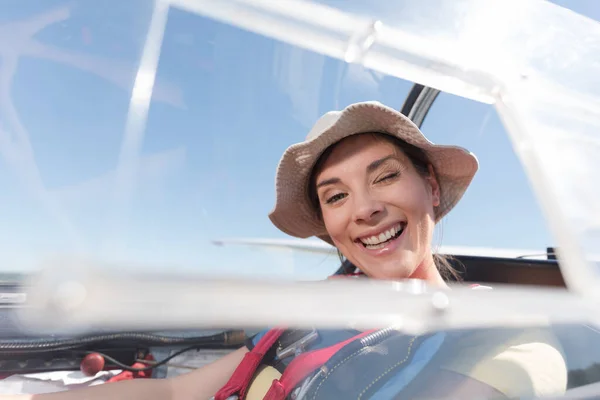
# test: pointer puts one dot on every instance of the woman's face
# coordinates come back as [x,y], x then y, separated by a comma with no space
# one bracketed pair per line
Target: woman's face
[378,210]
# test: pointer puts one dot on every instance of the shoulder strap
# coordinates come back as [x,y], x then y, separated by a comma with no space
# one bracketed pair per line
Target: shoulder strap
[240,380]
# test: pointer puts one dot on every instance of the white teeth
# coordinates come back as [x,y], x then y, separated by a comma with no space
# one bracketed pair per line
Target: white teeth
[377,241]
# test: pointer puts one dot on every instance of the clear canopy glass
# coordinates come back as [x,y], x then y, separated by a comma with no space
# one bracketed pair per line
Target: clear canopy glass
[138,146]
[141,140]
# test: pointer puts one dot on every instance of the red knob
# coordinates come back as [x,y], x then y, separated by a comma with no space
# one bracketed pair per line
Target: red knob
[92,364]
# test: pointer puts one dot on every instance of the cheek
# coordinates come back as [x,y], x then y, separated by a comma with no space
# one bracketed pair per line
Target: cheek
[412,202]
[334,224]
[423,201]
[424,215]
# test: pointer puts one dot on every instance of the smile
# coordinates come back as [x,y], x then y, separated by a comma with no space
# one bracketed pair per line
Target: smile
[379,241]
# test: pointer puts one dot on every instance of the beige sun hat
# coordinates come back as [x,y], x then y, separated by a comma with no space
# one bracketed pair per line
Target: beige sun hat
[293,212]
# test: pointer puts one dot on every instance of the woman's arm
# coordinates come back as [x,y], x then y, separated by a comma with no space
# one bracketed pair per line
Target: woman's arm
[515,362]
[203,383]
[200,384]
[150,389]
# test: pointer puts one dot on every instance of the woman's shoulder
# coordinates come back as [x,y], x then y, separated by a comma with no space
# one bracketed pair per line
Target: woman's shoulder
[516,362]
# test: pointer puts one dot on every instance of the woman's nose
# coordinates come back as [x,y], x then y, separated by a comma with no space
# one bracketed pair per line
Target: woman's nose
[366,208]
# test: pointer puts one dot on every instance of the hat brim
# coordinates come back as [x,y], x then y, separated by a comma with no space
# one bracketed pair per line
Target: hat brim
[293,212]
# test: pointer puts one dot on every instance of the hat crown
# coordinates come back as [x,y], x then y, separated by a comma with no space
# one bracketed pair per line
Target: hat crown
[323,124]
[330,118]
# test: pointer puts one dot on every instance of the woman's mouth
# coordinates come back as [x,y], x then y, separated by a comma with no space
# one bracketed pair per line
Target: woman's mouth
[381,240]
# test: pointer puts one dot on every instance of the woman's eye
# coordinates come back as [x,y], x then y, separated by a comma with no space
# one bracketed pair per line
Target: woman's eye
[388,177]
[336,197]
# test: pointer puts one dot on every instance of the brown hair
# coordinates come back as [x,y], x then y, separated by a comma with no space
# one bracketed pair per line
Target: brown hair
[421,163]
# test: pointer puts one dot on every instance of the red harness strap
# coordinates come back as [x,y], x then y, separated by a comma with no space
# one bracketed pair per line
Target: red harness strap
[302,366]
[243,374]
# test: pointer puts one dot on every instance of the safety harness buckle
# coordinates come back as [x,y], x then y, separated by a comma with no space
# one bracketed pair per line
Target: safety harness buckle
[300,340]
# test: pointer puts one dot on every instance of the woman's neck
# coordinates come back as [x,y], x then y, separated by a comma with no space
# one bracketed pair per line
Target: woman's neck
[429,273]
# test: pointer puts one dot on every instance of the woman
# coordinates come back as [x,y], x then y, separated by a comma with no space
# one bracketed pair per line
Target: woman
[367,181]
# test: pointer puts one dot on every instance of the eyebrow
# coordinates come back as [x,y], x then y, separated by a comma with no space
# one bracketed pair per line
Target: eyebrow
[370,168]
[377,163]
[328,182]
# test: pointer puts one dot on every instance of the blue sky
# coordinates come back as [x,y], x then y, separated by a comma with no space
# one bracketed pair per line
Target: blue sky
[227,104]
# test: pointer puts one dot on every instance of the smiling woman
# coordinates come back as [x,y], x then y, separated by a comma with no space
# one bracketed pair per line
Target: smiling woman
[368,181]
